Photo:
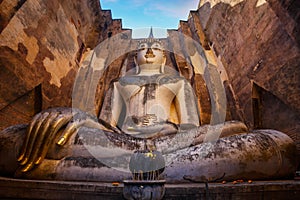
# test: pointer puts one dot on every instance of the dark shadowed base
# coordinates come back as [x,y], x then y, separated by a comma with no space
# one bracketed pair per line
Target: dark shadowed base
[37,189]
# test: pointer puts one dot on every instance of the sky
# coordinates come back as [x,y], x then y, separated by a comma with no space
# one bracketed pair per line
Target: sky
[140,15]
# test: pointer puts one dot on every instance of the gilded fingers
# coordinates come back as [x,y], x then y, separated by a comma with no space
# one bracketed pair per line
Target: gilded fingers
[55,126]
[38,142]
[72,129]
[68,132]
[31,137]
[43,131]
[40,133]
[27,137]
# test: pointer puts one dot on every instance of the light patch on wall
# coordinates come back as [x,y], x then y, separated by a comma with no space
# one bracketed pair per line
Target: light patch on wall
[221,69]
[210,56]
[260,3]
[86,58]
[198,63]
[57,68]
[14,34]
[64,57]
[215,2]
[33,49]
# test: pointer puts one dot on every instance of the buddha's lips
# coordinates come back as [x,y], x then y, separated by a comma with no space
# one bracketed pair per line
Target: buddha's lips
[149,61]
[149,55]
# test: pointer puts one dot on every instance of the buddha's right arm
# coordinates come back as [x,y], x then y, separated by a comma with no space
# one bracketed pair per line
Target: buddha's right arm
[44,130]
[117,103]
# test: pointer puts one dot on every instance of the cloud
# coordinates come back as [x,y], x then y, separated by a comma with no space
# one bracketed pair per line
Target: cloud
[176,8]
[109,1]
[138,3]
[146,13]
[134,4]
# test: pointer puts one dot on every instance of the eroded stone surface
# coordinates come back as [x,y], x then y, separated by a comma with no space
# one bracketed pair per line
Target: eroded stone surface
[41,45]
[260,51]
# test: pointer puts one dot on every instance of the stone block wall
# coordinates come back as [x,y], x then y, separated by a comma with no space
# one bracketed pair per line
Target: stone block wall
[257,44]
[42,43]
[252,44]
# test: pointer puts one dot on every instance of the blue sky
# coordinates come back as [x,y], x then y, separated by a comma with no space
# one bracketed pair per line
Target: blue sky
[139,15]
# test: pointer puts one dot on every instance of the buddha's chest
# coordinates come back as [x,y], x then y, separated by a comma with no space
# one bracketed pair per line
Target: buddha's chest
[147,93]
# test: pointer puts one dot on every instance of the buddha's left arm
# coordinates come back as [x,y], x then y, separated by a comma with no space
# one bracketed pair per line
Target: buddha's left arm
[186,106]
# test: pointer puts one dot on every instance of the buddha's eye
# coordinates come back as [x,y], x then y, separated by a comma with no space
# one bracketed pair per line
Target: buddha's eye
[156,46]
[143,46]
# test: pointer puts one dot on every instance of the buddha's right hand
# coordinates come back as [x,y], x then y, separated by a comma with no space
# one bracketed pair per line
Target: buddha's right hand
[43,131]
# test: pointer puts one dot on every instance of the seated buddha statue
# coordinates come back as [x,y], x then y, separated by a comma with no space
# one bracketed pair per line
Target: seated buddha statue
[150,110]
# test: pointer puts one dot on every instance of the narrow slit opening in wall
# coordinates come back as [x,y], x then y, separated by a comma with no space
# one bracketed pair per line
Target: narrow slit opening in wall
[256,106]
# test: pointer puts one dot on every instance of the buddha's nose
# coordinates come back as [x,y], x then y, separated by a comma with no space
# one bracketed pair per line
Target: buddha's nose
[149,53]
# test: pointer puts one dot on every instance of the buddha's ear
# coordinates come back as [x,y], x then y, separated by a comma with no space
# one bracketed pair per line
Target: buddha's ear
[136,64]
[162,68]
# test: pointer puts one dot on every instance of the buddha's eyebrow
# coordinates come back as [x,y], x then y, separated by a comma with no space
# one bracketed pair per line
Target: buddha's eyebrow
[143,45]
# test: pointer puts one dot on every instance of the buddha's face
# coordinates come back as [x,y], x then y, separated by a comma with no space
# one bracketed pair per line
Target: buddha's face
[150,53]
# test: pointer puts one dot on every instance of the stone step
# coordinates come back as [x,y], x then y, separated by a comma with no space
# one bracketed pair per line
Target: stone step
[43,189]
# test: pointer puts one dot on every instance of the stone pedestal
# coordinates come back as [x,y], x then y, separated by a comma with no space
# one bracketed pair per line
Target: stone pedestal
[37,189]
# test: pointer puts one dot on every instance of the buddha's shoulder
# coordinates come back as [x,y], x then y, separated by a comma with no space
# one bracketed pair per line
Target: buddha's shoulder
[130,80]
[159,79]
[168,79]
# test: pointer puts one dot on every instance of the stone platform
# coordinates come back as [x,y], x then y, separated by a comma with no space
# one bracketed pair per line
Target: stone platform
[39,189]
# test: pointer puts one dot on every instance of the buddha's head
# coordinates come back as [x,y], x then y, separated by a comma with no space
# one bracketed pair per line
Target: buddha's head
[150,55]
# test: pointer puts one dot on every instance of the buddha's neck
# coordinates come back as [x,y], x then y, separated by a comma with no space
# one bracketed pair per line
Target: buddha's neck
[148,70]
